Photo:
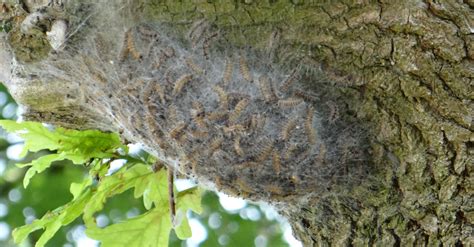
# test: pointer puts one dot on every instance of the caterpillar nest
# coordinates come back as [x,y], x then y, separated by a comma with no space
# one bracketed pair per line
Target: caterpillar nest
[227,116]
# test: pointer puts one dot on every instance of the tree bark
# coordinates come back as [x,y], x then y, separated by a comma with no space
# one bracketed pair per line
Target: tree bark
[405,69]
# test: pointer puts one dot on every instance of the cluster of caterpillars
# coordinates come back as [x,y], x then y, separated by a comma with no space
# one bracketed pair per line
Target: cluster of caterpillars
[226,117]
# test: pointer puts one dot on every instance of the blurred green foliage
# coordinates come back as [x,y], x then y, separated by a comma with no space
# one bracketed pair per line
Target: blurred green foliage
[50,189]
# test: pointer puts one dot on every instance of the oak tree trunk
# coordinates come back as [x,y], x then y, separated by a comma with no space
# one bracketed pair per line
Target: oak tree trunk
[405,69]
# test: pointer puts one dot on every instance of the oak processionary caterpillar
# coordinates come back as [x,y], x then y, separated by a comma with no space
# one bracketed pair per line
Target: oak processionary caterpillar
[183,101]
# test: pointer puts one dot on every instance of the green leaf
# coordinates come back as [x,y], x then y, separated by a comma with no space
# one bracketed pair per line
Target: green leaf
[189,199]
[114,184]
[52,221]
[39,165]
[74,145]
[76,189]
[88,143]
[147,230]
[156,191]
[79,145]
[37,136]
[152,228]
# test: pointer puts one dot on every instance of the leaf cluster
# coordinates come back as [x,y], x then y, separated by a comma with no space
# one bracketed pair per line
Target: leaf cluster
[97,150]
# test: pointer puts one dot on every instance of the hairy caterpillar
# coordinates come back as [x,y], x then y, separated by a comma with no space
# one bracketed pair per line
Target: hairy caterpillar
[244,69]
[241,105]
[287,129]
[131,46]
[222,96]
[265,151]
[290,102]
[215,144]
[237,147]
[198,117]
[311,132]
[276,162]
[194,67]
[180,82]
[229,69]
[177,131]
[266,88]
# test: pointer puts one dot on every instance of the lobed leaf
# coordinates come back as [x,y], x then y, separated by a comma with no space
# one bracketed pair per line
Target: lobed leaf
[52,221]
[114,184]
[39,165]
[79,145]
[150,229]
[74,145]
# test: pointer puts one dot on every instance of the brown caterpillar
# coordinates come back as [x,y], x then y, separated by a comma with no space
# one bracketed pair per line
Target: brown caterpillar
[237,147]
[197,114]
[290,102]
[241,105]
[244,69]
[200,121]
[180,82]
[289,81]
[310,131]
[131,46]
[198,107]
[125,51]
[234,128]
[265,151]
[160,92]
[215,145]
[266,88]
[243,186]
[147,92]
[287,128]
[256,122]
[194,67]
[173,114]
[176,132]
[217,115]
[223,99]
[199,134]
[229,69]
[276,162]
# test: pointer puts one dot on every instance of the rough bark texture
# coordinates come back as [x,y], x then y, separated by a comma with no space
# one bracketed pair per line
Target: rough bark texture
[408,67]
